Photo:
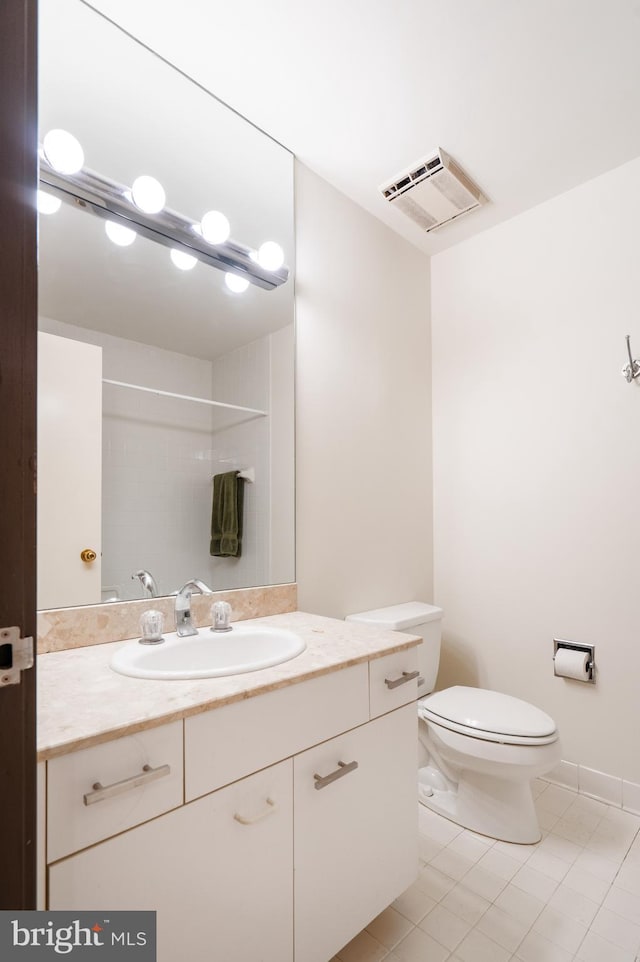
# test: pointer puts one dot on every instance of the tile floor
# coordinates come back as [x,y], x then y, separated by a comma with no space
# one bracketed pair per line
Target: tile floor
[573,896]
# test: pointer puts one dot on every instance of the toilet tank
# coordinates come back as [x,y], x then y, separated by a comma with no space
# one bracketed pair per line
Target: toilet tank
[413,618]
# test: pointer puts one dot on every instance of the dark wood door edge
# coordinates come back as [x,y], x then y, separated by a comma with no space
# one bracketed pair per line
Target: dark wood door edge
[18,338]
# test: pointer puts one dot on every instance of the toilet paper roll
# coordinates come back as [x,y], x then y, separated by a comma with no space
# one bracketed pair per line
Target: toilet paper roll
[572,664]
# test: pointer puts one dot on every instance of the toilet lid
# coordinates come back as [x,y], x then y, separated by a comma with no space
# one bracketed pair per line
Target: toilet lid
[490,715]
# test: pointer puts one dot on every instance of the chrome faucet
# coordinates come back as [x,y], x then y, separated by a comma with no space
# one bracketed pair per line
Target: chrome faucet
[147,581]
[184,625]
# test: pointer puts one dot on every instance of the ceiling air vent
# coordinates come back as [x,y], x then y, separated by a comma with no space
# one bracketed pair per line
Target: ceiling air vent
[433,191]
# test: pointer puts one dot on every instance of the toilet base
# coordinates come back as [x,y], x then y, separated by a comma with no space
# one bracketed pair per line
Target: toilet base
[485,804]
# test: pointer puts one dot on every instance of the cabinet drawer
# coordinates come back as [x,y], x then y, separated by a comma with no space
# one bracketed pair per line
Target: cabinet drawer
[140,775]
[393,681]
[228,743]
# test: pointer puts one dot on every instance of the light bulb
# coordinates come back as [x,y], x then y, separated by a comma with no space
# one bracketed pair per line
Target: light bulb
[235,283]
[183,261]
[270,256]
[63,152]
[47,203]
[119,234]
[215,227]
[148,194]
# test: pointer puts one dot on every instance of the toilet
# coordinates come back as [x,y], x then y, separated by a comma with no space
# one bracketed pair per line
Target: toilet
[478,750]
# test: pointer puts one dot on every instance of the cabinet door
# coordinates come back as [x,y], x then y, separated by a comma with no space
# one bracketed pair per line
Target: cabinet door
[355,836]
[217,871]
[69,471]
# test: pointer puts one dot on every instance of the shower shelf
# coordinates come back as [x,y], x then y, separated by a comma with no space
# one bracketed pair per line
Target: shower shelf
[187,397]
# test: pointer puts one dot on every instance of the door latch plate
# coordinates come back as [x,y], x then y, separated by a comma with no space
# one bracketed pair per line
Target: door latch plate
[17,656]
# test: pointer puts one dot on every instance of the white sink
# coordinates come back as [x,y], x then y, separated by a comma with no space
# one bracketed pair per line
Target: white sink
[209,654]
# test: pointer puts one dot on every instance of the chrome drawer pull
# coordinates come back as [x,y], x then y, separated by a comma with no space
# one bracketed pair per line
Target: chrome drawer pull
[101,792]
[256,818]
[343,769]
[402,680]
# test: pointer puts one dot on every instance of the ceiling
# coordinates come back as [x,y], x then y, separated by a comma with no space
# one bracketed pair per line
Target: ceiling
[530,97]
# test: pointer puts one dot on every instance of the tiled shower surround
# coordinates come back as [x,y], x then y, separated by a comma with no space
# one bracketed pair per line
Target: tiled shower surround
[159,458]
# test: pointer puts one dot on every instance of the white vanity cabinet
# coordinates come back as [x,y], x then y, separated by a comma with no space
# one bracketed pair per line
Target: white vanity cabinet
[217,871]
[295,826]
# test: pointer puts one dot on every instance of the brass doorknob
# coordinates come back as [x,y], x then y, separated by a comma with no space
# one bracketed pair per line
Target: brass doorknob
[88,555]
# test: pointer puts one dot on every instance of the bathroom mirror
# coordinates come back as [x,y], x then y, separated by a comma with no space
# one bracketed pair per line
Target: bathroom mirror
[126,468]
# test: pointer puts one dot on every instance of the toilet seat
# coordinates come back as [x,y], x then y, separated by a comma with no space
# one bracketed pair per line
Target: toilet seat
[488,715]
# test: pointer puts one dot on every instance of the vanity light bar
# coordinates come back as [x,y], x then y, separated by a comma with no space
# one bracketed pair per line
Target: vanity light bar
[110,200]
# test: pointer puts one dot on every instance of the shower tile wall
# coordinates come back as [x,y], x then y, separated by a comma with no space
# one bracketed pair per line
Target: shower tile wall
[242,377]
[156,472]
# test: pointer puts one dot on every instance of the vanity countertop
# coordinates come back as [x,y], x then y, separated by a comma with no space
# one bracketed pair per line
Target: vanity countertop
[82,701]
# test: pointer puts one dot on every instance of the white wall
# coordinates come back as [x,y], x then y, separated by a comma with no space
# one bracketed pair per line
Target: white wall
[363,408]
[537,461]
[282,503]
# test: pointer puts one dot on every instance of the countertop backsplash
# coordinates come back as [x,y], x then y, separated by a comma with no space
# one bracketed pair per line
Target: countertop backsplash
[63,628]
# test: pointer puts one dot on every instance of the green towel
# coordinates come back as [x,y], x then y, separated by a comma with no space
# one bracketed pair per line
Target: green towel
[226,515]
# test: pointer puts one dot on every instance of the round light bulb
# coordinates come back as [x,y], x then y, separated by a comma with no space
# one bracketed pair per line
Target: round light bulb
[119,234]
[63,152]
[235,283]
[148,194]
[270,256]
[182,260]
[215,227]
[47,203]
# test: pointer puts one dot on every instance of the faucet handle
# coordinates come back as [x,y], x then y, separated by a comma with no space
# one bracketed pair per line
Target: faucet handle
[221,616]
[151,624]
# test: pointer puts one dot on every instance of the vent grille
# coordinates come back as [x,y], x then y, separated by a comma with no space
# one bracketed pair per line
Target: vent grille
[425,169]
[433,191]
[416,212]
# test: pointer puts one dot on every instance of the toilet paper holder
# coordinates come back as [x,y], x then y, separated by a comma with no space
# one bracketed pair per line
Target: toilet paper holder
[584,649]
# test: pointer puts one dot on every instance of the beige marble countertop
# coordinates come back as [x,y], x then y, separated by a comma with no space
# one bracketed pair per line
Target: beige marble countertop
[82,701]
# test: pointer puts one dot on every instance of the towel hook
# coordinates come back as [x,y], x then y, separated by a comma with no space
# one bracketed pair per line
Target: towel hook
[632,369]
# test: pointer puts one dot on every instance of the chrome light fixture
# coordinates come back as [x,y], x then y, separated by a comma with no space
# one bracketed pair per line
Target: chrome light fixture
[140,209]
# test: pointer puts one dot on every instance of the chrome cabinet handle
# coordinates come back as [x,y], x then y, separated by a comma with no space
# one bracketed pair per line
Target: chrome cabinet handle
[257,818]
[402,680]
[343,769]
[101,792]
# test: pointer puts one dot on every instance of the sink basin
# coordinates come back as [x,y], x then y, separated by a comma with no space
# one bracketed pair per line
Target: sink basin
[209,654]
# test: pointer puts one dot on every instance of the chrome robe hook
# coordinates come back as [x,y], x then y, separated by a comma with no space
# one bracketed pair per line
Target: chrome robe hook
[632,369]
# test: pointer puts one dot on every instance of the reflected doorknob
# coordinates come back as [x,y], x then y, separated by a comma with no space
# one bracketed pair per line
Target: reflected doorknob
[88,555]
